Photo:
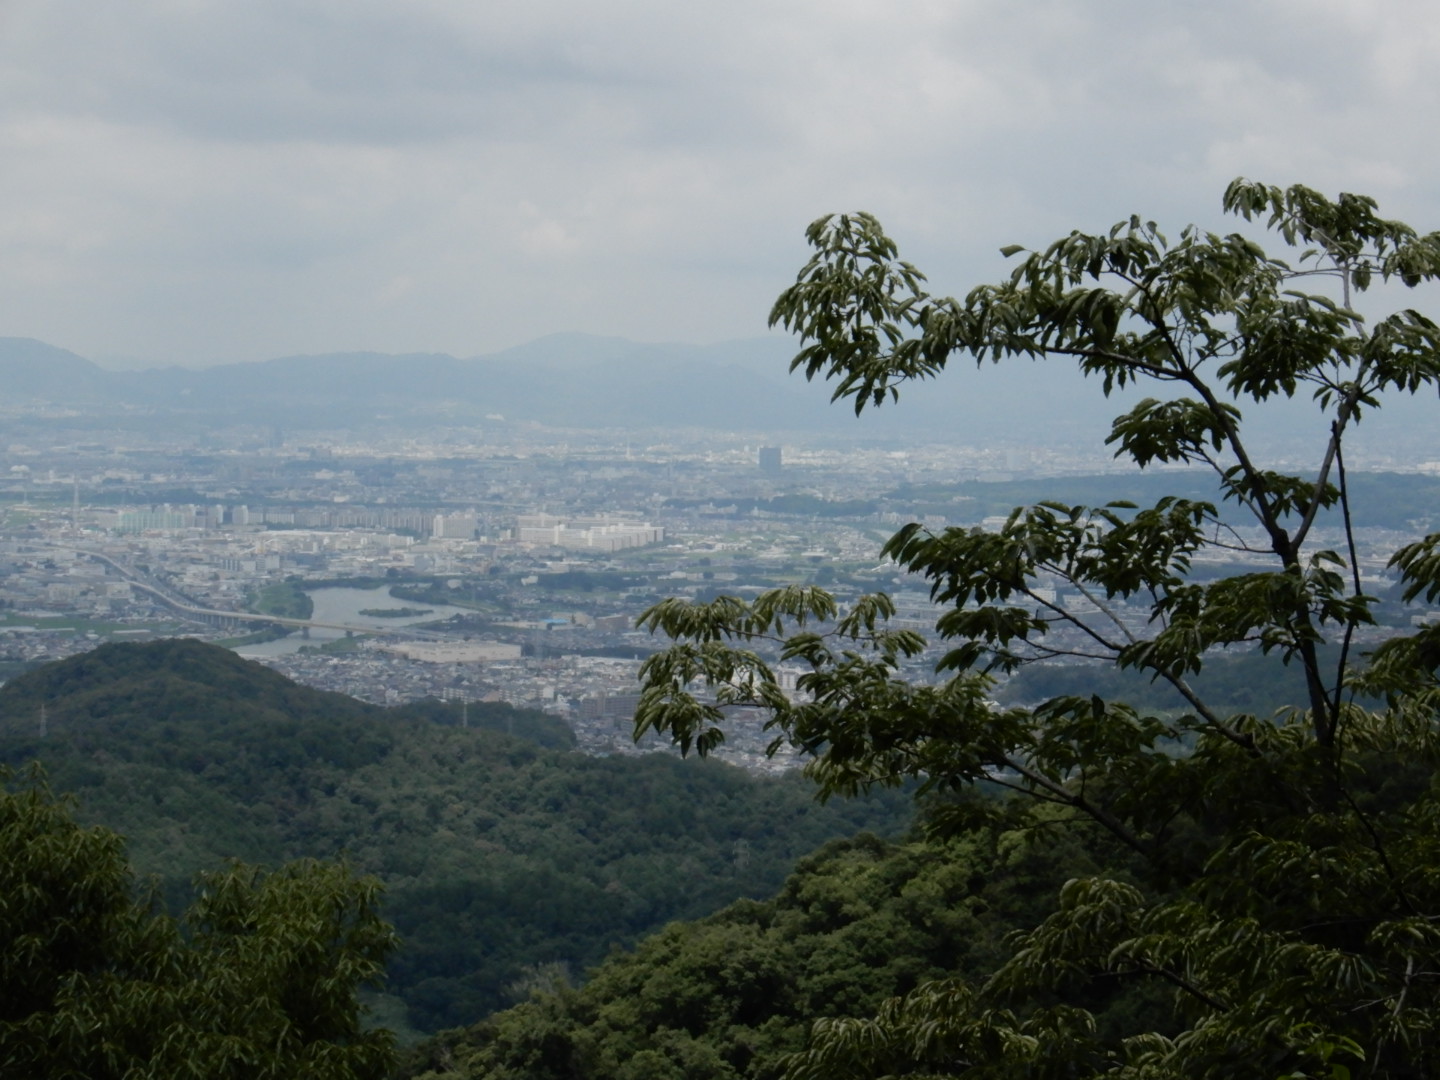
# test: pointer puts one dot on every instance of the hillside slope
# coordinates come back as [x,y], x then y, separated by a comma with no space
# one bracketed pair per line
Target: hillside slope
[498,852]
[729,996]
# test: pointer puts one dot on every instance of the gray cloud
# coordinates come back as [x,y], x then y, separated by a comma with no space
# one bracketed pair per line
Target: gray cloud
[202,180]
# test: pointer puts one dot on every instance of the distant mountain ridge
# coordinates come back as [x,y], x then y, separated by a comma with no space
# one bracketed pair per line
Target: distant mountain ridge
[31,370]
[561,380]
[588,381]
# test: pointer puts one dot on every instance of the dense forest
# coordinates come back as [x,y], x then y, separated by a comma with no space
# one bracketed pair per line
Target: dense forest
[734,994]
[500,848]
[1245,681]
[1279,879]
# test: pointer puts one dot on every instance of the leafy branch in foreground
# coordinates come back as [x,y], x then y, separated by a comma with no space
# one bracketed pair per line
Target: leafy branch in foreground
[1284,879]
[99,985]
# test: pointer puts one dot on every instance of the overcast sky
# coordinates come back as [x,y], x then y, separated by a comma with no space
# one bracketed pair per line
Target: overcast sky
[199,181]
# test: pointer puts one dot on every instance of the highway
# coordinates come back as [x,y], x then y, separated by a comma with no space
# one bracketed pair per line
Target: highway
[182,604]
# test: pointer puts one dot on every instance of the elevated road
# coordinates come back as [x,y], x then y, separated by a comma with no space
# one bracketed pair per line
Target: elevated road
[184,605]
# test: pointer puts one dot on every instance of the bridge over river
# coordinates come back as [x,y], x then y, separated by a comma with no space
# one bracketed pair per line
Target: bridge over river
[232,619]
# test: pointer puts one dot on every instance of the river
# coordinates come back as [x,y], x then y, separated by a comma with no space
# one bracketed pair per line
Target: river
[343,605]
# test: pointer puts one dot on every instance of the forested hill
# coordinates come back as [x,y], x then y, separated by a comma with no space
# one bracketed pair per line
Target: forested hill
[727,997]
[179,688]
[498,851]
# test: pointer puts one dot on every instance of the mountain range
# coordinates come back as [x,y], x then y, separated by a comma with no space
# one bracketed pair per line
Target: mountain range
[562,380]
[592,382]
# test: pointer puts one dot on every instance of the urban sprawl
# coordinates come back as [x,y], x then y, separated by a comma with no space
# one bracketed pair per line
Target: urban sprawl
[469,566]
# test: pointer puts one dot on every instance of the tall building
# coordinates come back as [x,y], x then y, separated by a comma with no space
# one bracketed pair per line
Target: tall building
[455,526]
[587,534]
[770,459]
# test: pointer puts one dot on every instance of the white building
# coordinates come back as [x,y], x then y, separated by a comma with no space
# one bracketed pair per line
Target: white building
[602,534]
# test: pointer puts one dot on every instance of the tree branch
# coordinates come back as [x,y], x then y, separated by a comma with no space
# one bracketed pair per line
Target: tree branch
[1178,980]
[1099,814]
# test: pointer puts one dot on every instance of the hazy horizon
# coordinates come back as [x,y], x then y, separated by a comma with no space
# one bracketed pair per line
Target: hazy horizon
[231,181]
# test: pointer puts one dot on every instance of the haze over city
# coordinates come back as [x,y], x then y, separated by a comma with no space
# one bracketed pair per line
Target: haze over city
[438,262]
[441,638]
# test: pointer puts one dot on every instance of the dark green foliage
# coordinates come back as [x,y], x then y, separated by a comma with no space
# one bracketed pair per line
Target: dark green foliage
[732,995]
[261,984]
[499,848]
[529,725]
[10,669]
[1244,683]
[472,593]
[1283,876]
[285,599]
[581,859]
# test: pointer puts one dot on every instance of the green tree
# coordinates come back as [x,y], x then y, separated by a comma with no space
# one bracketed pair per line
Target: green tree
[1283,875]
[98,983]
[497,852]
[731,995]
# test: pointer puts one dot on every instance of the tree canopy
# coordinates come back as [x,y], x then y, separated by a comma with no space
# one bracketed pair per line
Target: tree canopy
[262,982]
[730,996]
[1282,875]
[497,852]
